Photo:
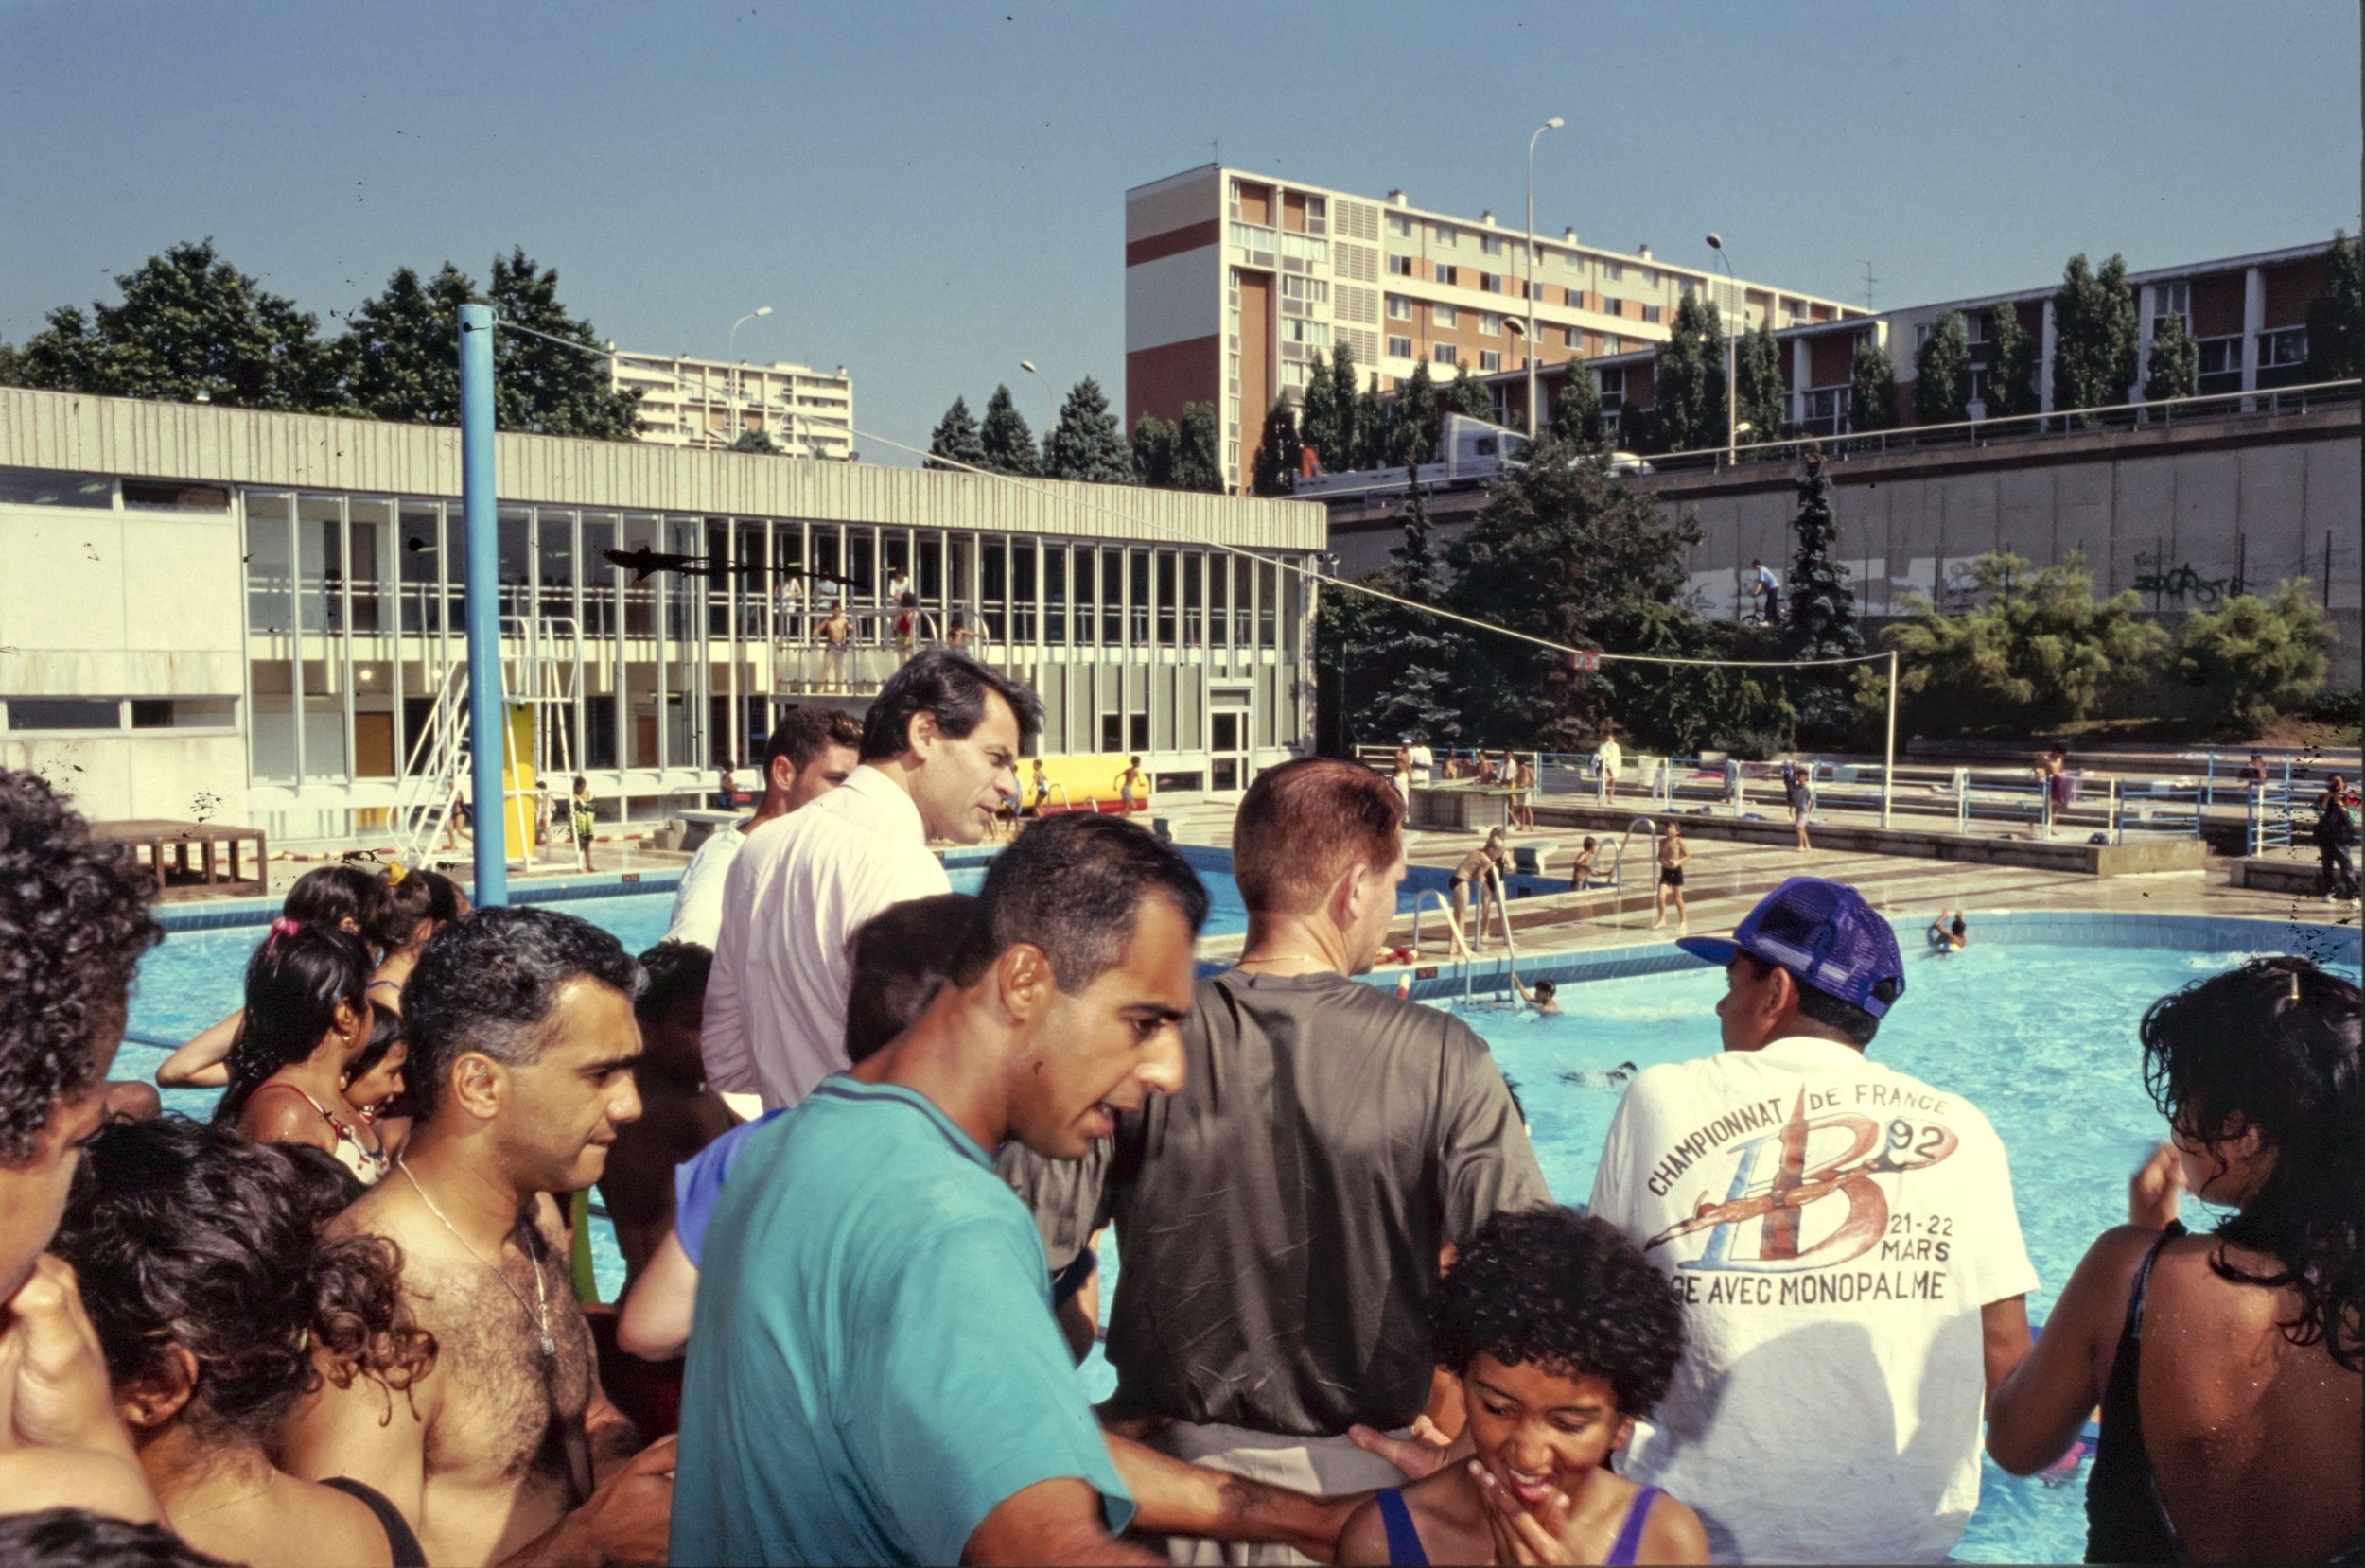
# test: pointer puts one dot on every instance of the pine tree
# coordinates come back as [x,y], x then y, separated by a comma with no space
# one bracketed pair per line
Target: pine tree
[1318,423]
[1009,445]
[1871,387]
[1466,394]
[540,387]
[754,441]
[1758,368]
[1375,427]
[1576,417]
[1822,623]
[1412,433]
[2096,329]
[2011,365]
[1276,465]
[2173,361]
[1198,451]
[956,437]
[1691,377]
[1413,655]
[1087,442]
[1348,433]
[1942,372]
[189,325]
[1153,452]
[2336,318]
[401,362]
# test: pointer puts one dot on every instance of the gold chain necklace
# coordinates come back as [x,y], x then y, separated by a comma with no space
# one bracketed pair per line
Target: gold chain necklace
[540,1310]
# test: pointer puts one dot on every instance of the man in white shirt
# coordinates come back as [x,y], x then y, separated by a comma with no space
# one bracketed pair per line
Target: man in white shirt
[1423,759]
[1844,1245]
[1608,758]
[939,754]
[813,751]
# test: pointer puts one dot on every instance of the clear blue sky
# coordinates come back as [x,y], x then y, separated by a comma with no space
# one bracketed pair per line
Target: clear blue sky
[929,193]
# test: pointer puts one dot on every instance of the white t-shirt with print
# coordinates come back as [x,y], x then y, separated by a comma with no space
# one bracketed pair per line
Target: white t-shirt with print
[1833,1229]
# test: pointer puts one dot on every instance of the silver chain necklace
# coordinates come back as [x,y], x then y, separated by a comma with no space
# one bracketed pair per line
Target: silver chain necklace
[540,1310]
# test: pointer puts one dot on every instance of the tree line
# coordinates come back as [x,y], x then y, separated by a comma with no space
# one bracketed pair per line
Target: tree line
[190,327]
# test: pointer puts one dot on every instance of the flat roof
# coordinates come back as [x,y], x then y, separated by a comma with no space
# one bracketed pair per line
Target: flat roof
[140,438]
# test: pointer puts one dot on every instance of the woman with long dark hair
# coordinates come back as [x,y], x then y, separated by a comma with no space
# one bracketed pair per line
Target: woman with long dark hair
[2230,1366]
[218,1306]
[406,908]
[307,1021]
[339,896]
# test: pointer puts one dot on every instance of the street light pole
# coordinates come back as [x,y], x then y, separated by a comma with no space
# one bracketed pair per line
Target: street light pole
[1731,391]
[1552,124]
[733,356]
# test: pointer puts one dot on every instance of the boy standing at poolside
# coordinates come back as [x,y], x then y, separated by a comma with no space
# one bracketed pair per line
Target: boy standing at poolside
[1672,856]
[1844,1242]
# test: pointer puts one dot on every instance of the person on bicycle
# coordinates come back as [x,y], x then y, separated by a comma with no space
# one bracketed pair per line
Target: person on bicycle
[1763,586]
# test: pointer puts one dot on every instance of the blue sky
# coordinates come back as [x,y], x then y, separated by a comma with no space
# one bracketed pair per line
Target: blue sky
[929,193]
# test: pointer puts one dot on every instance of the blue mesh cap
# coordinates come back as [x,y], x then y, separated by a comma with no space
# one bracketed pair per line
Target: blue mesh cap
[1825,934]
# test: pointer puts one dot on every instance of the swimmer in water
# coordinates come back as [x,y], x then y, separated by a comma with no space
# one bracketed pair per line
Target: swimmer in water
[1947,936]
[1541,998]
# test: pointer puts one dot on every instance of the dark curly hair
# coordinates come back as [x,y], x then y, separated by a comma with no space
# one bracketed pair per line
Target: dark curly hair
[330,895]
[74,922]
[77,1538]
[676,973]
[2273,1045]
[487,984]
[1553,1289]
[396,906]
[187,1234]
[294,983]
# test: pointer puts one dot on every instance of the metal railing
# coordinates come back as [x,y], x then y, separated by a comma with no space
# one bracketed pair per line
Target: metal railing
[2156,806]
[2269,401]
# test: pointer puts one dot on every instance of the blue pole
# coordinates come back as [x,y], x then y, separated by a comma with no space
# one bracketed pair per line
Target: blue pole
[487,723]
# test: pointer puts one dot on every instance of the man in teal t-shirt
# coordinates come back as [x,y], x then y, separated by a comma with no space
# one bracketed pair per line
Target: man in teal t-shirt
[876,1375]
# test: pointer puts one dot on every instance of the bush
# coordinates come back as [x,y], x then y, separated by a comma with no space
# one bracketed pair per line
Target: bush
[2257,657]
[2039,652]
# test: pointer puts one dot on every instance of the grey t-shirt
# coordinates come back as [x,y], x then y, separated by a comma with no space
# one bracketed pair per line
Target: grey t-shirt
[1279,1221]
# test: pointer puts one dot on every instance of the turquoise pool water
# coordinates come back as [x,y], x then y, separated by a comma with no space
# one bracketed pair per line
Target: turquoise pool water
[2042,1039]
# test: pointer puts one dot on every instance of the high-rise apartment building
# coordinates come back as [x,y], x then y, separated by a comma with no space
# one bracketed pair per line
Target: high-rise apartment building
[710,403]
[1236,283]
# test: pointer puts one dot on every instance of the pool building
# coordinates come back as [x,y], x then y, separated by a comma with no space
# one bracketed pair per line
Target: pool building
[257,617]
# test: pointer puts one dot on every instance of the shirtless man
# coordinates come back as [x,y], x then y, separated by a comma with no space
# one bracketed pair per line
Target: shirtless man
[1673,853]
[836,633]
[524,1044]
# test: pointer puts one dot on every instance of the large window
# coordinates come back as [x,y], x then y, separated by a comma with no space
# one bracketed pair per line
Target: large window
[1444,354]
[1400,348]
[1297,329]
[1297,286]
[1305,247]
[1139,576]
[1166,599]
[1489,362]
[2286,347]
[1112,597]
[1400,267]
[1445,315]
[1400,308]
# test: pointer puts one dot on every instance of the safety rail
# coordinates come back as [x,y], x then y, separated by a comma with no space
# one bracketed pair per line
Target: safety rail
[2155,806]
[1455,942]
[2013,797]
[2269,817]
[1618,864]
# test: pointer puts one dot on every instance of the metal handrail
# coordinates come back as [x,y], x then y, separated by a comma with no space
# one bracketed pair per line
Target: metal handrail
[1618,864]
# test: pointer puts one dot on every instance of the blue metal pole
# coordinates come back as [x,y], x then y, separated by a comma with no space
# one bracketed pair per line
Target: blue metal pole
[487,723]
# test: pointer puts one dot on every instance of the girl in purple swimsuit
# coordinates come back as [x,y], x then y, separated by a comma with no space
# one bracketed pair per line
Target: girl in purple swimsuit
[1563,1336]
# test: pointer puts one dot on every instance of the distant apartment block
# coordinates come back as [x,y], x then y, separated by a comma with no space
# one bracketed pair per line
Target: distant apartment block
[709,403]
[2250,313]
[1235,284]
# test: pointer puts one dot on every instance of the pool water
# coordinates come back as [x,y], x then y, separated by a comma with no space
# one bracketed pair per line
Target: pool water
[2040,1040]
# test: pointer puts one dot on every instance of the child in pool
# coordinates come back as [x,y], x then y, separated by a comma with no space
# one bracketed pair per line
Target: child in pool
[1581,875]
[1563,1336]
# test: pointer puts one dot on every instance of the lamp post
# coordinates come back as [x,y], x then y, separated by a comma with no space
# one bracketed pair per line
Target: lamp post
[733,356]
[1552,124]
[1731,391]
[1051,399]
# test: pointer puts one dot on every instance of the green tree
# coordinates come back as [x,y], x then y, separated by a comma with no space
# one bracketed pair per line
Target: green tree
[1576,417]
[1942,372]
[1276,465]
[1691,377]
[2336,318]
[1686,708]
[1153,452]
[1871,387]
[1395,666]
[1822,623]
[1347,435]
[1318,423]
[1375,427]
[1412,431]
[1088,444]
[2096,332]
[2011,365]
[1198,451]
[754,441]
[2174,362]
[1009,445]
[190,326]
[1758,377]
[539,386]
[1466,395]
[955,436]
[2257,658]
[2038,652]
[11,366]
[401,348]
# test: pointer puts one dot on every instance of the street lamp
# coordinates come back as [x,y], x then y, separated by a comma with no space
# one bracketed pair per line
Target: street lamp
[1049,397]
[1518,329]
[1731,391]
[733,356]
[1552,124]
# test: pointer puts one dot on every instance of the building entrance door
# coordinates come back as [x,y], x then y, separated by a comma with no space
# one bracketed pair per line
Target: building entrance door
[1227,750]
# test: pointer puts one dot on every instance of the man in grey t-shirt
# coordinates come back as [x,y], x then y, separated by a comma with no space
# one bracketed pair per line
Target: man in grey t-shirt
[1280,1219]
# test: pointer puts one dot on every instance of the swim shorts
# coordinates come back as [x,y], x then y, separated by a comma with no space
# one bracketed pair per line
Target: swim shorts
[1671,875]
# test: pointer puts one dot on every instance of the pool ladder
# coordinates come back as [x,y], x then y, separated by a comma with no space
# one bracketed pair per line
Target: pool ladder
[1618,863]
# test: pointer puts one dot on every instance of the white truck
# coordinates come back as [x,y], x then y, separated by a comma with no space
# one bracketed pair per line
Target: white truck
[1471,454]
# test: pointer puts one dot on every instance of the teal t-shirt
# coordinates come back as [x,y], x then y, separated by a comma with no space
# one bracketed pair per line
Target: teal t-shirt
[875,1367]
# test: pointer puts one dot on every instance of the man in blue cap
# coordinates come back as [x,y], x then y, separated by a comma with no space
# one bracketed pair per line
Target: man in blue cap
[1844,1241]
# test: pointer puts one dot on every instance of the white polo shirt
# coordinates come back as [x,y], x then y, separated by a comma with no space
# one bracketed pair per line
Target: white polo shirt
[1833,1229]
[698,901]
[795,893]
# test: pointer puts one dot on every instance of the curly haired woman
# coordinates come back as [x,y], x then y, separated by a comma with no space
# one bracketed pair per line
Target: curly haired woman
[1563,1336]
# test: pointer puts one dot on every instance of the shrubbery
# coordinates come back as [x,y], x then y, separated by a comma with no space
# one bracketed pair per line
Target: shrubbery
[2257,658]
